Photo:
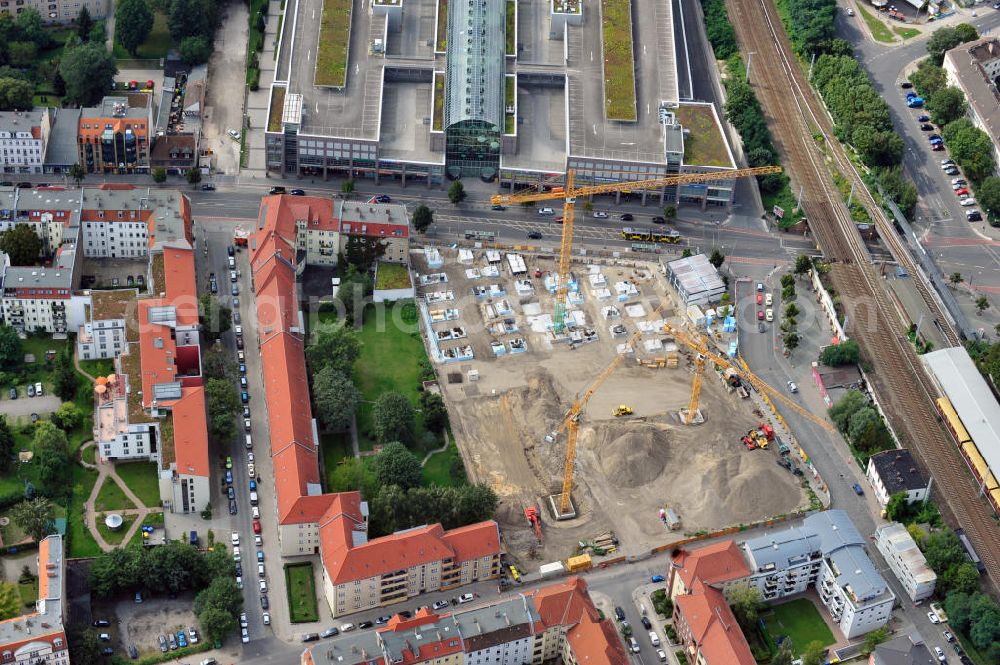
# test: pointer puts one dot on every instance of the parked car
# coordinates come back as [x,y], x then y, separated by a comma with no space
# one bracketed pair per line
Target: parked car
[466,598]
[38,389]
[658,219]
[933,617]
[940,655]
[601,215]
[546,212]
[646,623]
[233,134]
[30,390]
[627,217]
[792,388]
[927,127]
[276,190]
[244,635]
[440,605]
[923,118]
[208,188]
[656,579]
[310,637]
[858,489]
[163,643]
[232,506]
[965,203]
[382,620]
[266,618]
[298,192]
[101,623]
[263,602]
[330,632]
[948,636]
[974,216]
[13,393]
[534,235]
[365,625]
[962,191]
[346,627]
[905,85]
[383,198]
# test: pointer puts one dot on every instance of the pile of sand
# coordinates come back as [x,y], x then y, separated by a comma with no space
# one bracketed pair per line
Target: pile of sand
[633,454]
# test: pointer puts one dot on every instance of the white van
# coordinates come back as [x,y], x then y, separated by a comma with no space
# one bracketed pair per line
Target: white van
[654,639]
[249,440]
[548,212]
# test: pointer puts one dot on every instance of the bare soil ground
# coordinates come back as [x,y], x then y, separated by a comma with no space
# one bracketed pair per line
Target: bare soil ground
[626,468]
[142,624]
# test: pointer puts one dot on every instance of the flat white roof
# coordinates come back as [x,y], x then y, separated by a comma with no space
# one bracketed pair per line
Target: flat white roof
[972,398]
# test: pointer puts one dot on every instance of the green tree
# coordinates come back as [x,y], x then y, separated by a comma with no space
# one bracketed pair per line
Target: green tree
[10,601]
[422,218]
[193,175]
[175,567]
[982,304]
[51,454]
[336,398]
[347,186]
[963,578]
[847,406]
[31,27]
[84,23]
[213,317]
[946,105]
[456,192]
[717,258]
[113,572]
[814,654]
[362,252]
[791,341]
[218,363]
[873,639]
[958,605]
[35,517]
[351,295]
[64,375]
[897,508]
[195,50]
[21,244]
[77,172]
[746,602]
[395,465]
[791,310]
[899,188]
[221,594]
[985,629]
[956,278]
[803,264]
[788,280]
[784,655]
[686,252]
[97,35]
[133,23]
[11,355]
[22,54]
[15,94]
[190,18]
[669,212]
[159,175]
[223,405]
[929,78]
[434,411]
[945,39]
[88,70]
[845,353]
[336,348]
[217,623]
[393,418]
[67,417]
[943,550]
[988,194]
[7,445]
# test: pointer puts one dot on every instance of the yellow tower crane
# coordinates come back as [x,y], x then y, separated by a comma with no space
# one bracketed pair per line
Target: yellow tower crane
[700,346]
[699,372]
[569,194]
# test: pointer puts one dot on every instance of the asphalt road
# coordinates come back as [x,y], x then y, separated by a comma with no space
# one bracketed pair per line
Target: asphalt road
[956,245]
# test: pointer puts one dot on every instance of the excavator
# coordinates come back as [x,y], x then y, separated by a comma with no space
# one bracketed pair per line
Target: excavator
[535,520]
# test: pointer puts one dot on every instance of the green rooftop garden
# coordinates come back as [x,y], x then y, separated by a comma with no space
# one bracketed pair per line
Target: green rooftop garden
[619,65]
[510,96]
[391,276]
[442,27]
[334,43]
[277,107]
[437,124]
[511,27]
[704,145]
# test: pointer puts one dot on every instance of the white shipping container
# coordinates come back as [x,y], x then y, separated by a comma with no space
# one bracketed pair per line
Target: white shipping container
[550,569]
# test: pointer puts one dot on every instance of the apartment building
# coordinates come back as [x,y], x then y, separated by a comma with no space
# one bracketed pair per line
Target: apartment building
[102,334]
[973,68]
[126,222]
[708,629]
[385,222]
[39,637]
[905,560]
[902,650]
[826,553]
[114,136]
[558,621]
[720,565]
[894,471]
[57,11]
[23,138]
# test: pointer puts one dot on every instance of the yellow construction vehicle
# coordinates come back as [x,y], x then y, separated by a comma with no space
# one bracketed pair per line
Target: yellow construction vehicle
[699,372]
[622,410]
[569,194]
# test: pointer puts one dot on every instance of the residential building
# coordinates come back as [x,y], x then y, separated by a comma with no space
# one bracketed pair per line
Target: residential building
[357,573]
[102,335]
[708,629]
[905,560]
[39,637]
[176,153]
[973,68]
[114,136]
[720,565]
[23,137]
[555,622]
[894,471]
[126,222]
[385,222]
[902,650]
[826,553]
[57,11]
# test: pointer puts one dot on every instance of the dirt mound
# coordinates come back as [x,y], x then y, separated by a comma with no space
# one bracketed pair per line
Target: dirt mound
[635,454]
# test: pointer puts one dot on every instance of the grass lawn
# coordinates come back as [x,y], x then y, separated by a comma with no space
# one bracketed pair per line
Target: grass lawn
[619,64]
[907,33]
[391,276]
[437,471]
[111,497]
[29,593]
[705,145]
[336,446]
[96,368]
[785,200]
[301,588]
[277,108]
[115,537]
[156,45]
[81,543]
[800,621]
[334,42]
[141,479]
[389,361]
[879,29]
[89,455]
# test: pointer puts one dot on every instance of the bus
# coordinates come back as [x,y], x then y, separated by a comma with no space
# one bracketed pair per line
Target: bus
[669,236]
[481,236]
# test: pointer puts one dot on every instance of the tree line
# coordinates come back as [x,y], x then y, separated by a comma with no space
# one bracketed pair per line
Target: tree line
[859,421]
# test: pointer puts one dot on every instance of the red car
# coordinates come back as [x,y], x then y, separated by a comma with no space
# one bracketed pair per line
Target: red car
[256,526]
[962,192]
[760,315]
[760,298]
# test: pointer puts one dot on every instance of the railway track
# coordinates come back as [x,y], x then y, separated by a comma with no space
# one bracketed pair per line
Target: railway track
[795,115]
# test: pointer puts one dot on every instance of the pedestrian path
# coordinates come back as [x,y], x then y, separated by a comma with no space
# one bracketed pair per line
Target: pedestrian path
[106,473]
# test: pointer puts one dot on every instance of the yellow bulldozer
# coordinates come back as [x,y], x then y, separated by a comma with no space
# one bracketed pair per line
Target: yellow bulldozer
[622,410]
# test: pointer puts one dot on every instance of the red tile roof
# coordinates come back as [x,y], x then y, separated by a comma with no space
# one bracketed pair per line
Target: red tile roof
[474,541]
[181,284]
[714,629]
[191,433]
[157,352]
[713,564]
[593,640]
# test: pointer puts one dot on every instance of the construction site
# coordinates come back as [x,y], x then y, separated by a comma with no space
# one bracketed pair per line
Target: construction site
[641,477]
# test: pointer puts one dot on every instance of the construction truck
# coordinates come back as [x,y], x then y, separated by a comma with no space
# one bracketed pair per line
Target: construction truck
[535,520]
[749,441]
[622,410]
[762,441]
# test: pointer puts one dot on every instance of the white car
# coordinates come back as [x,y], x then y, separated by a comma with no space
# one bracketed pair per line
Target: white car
[258,541]
[792,388]
[250,458]
[261,573]
[251,470]
[266,618]
[958,181]
[235,538]
[850,12]
[239,582]
[347,627]
[233,134]
[466,598]
[244,635]
[263,586]
[768,299]
[243,620]
[255,512]
[968,202]
[933,617]
[946,162]
[600,215]
[238,330]
[940,655]
[236,554]
[440,605]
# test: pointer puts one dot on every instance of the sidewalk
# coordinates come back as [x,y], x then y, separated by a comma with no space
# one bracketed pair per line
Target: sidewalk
[258,100]
[107,473]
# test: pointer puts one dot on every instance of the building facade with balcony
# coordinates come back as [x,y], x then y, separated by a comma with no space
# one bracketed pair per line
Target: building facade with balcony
[38,637]
[57,11]
[103,334]
[905,560]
